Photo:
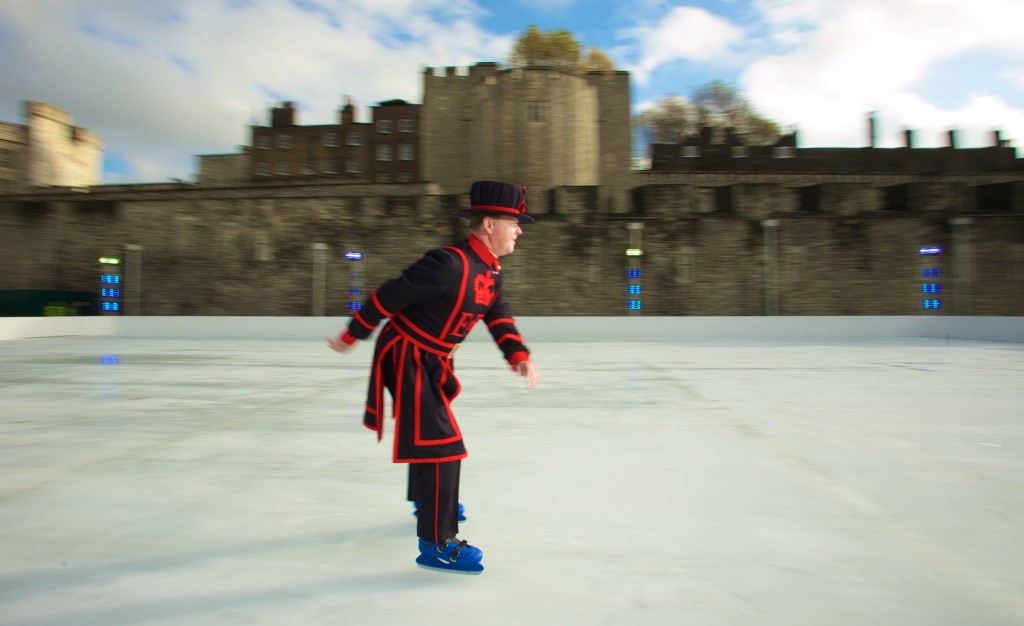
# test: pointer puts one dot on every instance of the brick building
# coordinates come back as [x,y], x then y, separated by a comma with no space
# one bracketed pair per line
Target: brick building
[384,150]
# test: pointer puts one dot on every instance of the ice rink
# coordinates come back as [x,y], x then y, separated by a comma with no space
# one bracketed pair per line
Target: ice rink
[149,481]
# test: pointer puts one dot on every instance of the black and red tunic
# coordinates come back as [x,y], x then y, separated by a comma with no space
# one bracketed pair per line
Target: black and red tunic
[430,309]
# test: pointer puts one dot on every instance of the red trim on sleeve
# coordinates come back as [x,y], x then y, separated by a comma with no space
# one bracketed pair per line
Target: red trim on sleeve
[359,318]
[508,336]
[518,357]
[500,320]
[380,306]
[347,338]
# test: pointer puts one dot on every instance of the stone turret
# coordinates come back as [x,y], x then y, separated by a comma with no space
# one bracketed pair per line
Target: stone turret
[59,153]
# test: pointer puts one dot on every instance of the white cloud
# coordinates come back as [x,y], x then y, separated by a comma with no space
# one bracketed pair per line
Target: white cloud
[161,81]
[866,55]
[687,33]
[1016,78]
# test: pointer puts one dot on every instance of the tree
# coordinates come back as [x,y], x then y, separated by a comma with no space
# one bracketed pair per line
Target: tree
[672,120]
[558,49]
[716,104]
[596,61]
[721,106]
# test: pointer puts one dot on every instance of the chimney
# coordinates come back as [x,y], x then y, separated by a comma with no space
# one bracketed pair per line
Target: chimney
[348,112]
[283,115]
[872,129]
[952,138]
[997,139]
[908,135]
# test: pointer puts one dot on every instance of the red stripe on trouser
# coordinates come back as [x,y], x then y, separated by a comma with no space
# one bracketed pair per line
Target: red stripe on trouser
[434,489]
[437,497]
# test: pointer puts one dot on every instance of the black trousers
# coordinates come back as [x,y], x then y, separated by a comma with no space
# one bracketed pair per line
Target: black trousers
[434,488]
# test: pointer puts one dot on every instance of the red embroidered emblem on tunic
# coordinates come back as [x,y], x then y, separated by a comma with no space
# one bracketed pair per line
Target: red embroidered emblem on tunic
[483,288]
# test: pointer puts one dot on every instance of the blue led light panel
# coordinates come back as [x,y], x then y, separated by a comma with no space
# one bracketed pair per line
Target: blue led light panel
[931,288]
[931,304]
[106,292]
[633,289]
[633,274]
[355,291]
[110,279]
[931,272]
[930,250]
[110,306]
[355,305]
[634,305]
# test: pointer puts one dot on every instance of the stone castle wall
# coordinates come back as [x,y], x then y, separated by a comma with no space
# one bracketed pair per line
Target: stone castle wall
[246,251]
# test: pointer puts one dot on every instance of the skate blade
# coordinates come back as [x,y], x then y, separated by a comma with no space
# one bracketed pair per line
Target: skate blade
[431,563]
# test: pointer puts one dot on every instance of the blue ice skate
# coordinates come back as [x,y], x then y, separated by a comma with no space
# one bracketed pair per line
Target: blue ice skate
[462,512]
[450,555]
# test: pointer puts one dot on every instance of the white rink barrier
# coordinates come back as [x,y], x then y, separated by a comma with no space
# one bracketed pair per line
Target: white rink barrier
[545,328]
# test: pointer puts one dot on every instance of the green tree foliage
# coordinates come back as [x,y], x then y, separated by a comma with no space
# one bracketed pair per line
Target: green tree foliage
[715,105]
[558,49]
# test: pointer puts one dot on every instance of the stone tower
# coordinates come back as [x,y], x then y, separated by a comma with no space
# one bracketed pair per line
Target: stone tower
[540,126]
[58,153]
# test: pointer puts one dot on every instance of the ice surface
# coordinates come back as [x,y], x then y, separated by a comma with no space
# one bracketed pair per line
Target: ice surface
[214,482]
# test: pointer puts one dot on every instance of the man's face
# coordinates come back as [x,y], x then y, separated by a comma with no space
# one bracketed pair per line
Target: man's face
[504,232]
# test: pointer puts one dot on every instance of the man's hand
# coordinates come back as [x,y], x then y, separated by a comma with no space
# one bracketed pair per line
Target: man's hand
[338,345]
[528,370]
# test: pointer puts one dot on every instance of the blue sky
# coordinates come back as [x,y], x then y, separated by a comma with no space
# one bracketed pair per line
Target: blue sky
[164,80]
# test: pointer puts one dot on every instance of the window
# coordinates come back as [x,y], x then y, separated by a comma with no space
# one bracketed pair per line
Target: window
[263,142]
[810,198]
[284,168]
[385,152]
[284,141]
[355,139]
[405,152]
[264,246]
[263,169]
[385,126]
[723,199]
[307,168]
[740,152]
[405,126]
[383,177]
[784,152]
[331,166]
[331,140]
[794,261]
[354,166]
[537,111]
[691,152]
[686,261]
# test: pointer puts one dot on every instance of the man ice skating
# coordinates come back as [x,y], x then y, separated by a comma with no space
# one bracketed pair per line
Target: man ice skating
[430,309]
